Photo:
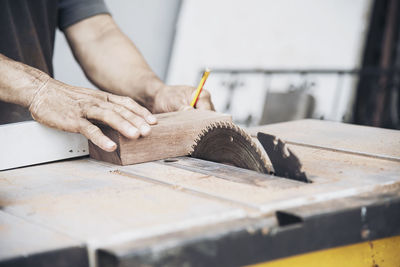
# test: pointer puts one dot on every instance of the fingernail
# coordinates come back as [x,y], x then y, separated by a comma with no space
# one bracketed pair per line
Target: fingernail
[110,144]
[132,131]
[145,129]
[151,119]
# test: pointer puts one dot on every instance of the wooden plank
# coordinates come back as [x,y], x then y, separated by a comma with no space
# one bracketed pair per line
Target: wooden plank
[334,176]
[93,203]
[172,136]
[230,173]
[349,138]
[28,143]
[104,204]
[248,196]
[327,166]
[26,244]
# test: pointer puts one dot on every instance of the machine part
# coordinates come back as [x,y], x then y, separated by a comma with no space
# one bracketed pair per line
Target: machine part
[226,143]
[285,162]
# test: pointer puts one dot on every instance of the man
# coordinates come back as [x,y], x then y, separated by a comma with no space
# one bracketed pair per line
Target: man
[109,59]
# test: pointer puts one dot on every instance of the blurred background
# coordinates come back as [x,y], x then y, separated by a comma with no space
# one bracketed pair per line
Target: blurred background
[271,60]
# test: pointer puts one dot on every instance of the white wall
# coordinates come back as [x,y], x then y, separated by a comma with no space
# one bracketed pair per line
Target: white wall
[150,24]
[270,34]
[240,34]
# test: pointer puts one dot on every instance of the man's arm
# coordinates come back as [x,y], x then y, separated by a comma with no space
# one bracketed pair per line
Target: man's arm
[113,63]
[70,108]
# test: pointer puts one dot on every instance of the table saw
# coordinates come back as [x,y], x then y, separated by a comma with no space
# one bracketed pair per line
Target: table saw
[185,211]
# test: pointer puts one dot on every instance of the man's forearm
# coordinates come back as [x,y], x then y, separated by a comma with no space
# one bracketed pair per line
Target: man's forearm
[71,108]
[111,61]
[19,83]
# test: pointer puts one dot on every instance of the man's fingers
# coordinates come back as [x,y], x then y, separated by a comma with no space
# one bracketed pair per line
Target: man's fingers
[114,120]
[94,134]
[204,101]
[130,104]
[134,119]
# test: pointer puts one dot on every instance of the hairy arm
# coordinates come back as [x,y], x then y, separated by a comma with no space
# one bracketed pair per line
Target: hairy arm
[112,62]
[71,108]
[19,83]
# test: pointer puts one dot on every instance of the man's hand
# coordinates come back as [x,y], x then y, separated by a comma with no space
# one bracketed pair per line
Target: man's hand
[174,98]
[71,108]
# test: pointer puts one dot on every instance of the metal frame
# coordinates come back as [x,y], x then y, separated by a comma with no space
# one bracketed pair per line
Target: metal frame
[299,231]
[392,74]
[29,143]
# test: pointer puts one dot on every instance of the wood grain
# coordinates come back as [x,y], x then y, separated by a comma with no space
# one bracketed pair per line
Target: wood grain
[172,136]
[86,200]
[144,207]
[336,136]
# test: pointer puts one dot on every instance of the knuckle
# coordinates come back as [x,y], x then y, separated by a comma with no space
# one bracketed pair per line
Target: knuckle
[89,130]
[128,115]
[92,130]
[206,93]
[106,105]
[143,111]
[133,119]
[119,109]
[138,121]
[75,127]
[107,115]
[127,101]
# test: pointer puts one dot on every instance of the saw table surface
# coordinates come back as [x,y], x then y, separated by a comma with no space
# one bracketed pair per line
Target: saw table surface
[184,210]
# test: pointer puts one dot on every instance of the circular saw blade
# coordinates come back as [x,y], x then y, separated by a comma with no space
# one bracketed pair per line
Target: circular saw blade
[226,143]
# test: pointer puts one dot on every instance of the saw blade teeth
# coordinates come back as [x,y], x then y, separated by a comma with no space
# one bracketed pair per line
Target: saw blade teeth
[237,128]
[215,134]
[197,140]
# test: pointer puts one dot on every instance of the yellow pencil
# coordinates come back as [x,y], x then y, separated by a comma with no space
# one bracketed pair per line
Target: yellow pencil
[200,87]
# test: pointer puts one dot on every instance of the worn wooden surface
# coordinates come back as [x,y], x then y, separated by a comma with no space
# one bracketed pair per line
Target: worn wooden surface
[172,136]
[340,137]
[104,205]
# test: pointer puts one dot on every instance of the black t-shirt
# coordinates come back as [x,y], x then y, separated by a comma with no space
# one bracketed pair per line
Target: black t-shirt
[27,31]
